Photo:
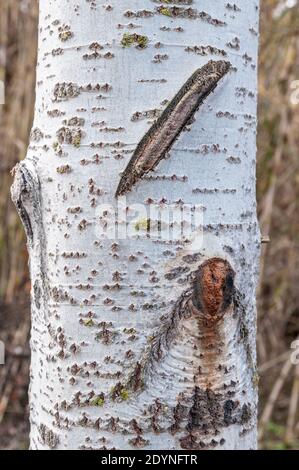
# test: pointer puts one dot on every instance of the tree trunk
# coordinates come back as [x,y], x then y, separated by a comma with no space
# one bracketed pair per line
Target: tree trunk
[145,339]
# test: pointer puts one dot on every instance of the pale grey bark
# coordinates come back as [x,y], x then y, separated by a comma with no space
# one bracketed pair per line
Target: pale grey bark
[137,342]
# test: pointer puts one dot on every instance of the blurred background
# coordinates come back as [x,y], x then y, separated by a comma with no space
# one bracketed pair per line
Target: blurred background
[278,193]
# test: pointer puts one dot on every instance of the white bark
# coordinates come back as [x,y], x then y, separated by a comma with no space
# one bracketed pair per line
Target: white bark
[97,303]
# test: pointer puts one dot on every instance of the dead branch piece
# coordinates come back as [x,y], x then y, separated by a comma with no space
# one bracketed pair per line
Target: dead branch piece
[268,410]
[289,436]
[11,369]
[273,362]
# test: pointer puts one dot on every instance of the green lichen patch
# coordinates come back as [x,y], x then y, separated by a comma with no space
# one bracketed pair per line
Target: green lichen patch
[89,323]
[138,40]
[77,140]
[165,11]
[119,392]
[124,394]
[179,12]
[142,225]
[98,400]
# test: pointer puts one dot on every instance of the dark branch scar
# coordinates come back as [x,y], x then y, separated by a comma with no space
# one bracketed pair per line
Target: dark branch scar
[24,186]
[209,299]
[160,137]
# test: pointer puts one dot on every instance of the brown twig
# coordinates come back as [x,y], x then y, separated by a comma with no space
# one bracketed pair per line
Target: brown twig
[289,436]
[268,410]
[11,368]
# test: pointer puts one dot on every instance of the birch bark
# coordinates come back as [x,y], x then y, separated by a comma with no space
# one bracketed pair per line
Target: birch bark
[137,341]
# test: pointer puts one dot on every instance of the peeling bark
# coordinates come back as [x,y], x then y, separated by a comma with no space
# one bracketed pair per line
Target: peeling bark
[142,342]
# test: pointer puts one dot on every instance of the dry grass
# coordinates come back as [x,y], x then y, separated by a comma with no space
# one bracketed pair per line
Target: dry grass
[18,33]
[278,191]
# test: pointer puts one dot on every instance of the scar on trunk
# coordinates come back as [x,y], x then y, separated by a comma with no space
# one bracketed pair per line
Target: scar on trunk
[213,288]
[159,139]
[209,298]
[22,192]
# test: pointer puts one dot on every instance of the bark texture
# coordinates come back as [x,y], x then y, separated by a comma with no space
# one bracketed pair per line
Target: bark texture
[141,342]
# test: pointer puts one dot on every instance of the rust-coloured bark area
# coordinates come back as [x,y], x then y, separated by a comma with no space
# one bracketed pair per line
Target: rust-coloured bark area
[214,288]
[207,301]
